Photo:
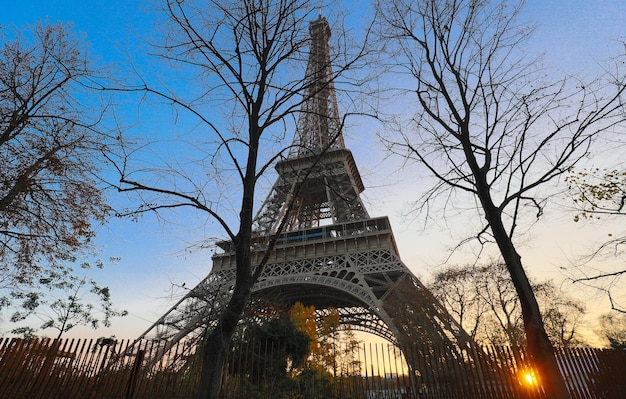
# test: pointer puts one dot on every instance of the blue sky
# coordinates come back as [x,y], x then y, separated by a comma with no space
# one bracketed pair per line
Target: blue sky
[575,36]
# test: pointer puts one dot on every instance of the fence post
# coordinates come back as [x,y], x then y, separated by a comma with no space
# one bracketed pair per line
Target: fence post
[132,382]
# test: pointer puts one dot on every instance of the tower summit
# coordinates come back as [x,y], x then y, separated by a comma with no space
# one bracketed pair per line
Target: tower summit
[319,126]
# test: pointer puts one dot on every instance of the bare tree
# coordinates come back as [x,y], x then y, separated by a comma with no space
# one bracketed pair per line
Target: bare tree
[50,198]
[484,301]
[250,58]
[505,325]
[492,127]
[613,328]
[456,290]
[562,314]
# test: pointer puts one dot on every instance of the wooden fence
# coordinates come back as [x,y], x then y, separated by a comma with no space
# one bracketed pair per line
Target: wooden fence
[81,368]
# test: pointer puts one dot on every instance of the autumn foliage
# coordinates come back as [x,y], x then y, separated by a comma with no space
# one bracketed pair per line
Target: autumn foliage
[50,199]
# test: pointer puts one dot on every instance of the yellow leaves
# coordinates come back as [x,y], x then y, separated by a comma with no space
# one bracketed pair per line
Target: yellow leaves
[323,332]
[330,323]
[305,319]
[597,191]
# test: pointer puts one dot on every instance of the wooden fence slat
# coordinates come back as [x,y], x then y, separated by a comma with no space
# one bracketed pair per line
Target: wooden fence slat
[13,359]
[82,367]
[122,364]
[588,368]
[61,379]
[44,374]
[585,370]
[503,370]
[575,372]
[7,366]
[481,368]
[492,374]
[460,378]
[53,354]
[103,371]
[143,379]
[167,383]
[33,362]
[4,360]
[611,364]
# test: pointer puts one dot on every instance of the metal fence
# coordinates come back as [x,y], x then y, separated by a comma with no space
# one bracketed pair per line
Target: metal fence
[83,368]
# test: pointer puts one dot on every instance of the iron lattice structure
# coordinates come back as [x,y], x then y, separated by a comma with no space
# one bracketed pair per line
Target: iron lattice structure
[331,253]
[319,126]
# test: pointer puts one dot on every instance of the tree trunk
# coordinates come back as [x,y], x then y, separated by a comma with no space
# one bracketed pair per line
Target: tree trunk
[217,343]
[213,358]
[537,341]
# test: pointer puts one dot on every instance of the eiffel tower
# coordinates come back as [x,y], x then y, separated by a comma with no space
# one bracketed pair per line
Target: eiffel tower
[331,253]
